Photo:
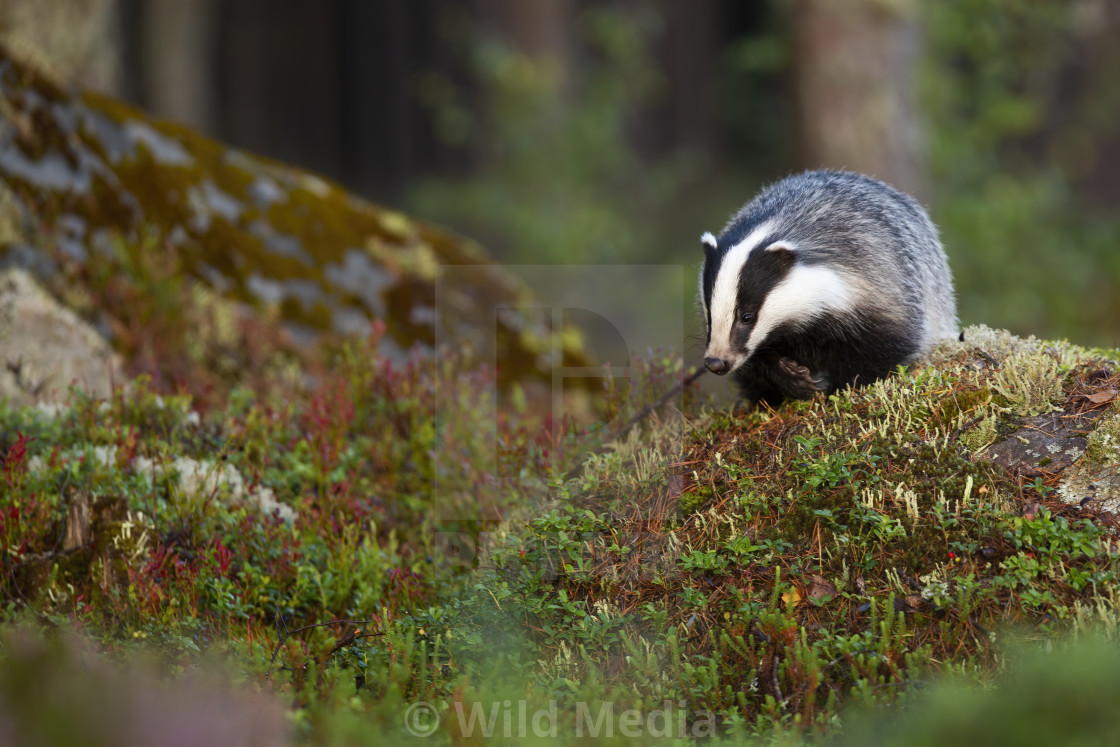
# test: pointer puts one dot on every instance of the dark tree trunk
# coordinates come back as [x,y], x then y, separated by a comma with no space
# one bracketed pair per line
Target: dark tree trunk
[691,46]
[280,79]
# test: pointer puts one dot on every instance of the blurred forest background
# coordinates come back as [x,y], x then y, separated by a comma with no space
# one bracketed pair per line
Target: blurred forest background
[616,131]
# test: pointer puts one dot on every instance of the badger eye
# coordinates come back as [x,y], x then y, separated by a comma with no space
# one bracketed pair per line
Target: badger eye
[747,318]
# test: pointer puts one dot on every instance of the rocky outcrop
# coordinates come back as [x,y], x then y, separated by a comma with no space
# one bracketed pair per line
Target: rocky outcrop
[1046,411]
[45,347]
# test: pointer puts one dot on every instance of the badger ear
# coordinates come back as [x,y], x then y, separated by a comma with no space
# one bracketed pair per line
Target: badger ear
[784,252]
[709,242]
[782,246]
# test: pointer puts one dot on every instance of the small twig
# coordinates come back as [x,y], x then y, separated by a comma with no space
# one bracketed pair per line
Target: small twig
[346,640]
[645,411]
[953,436]
[984,354]
[638,417]
[279,620]
[495,600]
[774,680]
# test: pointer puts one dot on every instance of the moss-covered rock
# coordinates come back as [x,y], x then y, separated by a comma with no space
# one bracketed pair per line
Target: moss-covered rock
[1038,409]
[1097,478]
[99,175]
[1053,416]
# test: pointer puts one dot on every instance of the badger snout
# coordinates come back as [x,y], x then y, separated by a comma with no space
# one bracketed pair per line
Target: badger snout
[718,366]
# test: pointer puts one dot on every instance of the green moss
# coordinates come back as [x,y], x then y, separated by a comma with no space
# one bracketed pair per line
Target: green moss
[853,540]
[961,402]
[692,502]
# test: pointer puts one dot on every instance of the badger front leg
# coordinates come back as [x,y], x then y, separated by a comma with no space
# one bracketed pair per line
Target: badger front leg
[800,382]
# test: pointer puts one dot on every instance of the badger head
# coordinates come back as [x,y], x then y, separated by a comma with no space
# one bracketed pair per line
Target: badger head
[759,285]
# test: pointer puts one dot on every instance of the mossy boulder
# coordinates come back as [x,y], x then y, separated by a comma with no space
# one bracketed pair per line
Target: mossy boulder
[90,174]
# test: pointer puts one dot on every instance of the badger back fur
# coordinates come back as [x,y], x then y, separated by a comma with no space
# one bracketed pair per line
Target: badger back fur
[826,279]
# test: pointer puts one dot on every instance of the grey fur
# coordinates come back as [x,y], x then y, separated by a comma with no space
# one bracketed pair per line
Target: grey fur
[879,241]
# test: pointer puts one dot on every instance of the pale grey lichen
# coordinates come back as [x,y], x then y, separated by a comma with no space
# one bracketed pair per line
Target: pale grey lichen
[1097,475]
[1103,448]
[202,478]
[1031,382]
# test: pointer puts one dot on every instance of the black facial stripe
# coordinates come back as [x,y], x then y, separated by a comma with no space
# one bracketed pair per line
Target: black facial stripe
[762,271]
[711,269]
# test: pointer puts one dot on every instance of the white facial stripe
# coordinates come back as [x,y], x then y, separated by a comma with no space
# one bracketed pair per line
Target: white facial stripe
[725,292]
[708,240]
[808,291]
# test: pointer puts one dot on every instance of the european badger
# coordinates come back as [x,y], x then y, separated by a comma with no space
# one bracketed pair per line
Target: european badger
[826,279]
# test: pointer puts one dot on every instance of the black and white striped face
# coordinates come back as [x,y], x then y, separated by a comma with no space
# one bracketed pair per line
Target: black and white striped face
[756,286]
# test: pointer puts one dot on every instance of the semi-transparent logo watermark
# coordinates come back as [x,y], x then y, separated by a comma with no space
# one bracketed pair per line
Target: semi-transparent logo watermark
[563,340]
[518,719]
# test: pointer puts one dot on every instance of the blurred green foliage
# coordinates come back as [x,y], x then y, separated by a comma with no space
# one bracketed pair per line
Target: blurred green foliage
[1007,146]
[1061,695]
[559,179]
[755,106]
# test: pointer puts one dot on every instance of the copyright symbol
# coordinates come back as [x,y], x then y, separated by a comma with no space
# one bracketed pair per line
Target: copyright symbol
[421,719]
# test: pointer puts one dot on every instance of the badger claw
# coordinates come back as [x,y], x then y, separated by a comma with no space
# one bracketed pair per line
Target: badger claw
[803,380]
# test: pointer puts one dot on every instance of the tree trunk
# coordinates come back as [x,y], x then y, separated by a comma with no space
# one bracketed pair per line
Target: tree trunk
[177,44]
[855,68]
[280,80]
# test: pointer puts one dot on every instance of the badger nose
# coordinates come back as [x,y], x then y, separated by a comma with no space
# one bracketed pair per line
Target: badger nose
[717,366]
